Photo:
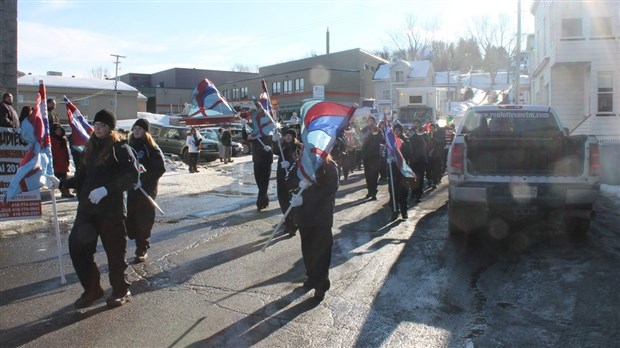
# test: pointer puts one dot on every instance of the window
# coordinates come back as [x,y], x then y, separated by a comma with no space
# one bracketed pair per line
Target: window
[400,76]
[276,88]
[288,87]
[235,93]
[601,27]
[385,94]
[571,27]
[415,99]
[299,85]
[84,101]
[244,92]
[605,93]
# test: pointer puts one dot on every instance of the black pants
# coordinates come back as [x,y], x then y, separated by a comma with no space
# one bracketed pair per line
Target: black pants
[400,190]
[140,219]
[284,198]
[192,158]
[418,169]
[262,173]
[371,172]
[83,245]
[316,249]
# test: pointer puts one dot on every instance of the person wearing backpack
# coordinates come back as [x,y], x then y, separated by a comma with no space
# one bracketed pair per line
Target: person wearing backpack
[140,211]
[108,169]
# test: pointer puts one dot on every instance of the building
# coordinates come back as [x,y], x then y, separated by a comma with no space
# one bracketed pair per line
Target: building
[575,65]
[8,47]
[343,77]
[88,95]
[169,91]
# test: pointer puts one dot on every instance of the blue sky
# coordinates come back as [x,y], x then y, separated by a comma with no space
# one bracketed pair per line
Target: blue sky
[75,37]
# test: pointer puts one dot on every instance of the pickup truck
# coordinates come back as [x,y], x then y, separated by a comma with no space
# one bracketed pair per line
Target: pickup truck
[511,164]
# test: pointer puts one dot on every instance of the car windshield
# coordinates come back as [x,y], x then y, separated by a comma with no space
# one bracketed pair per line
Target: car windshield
[209,134]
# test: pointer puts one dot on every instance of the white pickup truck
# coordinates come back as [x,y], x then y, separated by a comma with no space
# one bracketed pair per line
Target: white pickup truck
[514,163]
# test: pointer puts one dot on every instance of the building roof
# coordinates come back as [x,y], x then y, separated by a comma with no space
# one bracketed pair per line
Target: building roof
[419,69]
[73,82]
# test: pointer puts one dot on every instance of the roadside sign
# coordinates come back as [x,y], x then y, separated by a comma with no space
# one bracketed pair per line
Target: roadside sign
[26,205]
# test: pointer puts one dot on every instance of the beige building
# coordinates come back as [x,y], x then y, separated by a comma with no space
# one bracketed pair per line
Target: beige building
[88,95]
[575,66]
[343,77]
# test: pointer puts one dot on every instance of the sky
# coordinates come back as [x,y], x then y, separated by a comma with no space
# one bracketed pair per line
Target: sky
[76,37]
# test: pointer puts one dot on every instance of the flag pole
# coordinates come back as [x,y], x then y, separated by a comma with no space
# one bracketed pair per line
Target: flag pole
[58,244]
[270,107]
[290,207]
[153,203]
[392,187]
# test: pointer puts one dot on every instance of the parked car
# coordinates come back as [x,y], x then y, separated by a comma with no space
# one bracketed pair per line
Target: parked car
[171,140]
[211,133]
[235,129]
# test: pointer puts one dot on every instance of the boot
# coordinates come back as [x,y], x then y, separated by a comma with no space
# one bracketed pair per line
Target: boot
[65,193]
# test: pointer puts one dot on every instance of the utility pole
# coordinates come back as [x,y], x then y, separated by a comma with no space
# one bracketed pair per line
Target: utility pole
[117,62]
[517,77]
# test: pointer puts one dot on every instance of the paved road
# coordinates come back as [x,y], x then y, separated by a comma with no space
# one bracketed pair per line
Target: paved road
[402,283]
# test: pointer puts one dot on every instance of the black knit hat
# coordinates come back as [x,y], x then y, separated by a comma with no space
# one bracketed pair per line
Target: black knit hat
[142,123]
[106,116]
[292,132]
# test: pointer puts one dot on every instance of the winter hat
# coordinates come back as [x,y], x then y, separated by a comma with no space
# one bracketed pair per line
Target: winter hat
[142,123]
[398,126]
[106,116]
[292,132]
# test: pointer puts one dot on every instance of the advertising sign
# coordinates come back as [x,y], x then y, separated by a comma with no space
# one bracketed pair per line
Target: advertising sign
[26,205]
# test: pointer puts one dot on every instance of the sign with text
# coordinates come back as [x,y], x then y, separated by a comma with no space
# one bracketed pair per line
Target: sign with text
[318,92]
[26,205]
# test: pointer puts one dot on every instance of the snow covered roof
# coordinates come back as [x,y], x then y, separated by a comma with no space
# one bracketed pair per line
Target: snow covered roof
[73,82]
[477,80]
[418,69]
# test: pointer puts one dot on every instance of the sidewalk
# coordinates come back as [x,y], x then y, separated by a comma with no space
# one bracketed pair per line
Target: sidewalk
[216,188]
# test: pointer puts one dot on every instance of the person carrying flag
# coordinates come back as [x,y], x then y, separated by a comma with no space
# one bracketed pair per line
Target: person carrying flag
[108,169]
[371,156]
[400,184]
[140,211]
[291,149]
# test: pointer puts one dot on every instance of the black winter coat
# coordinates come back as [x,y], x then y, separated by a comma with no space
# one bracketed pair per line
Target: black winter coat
[319,200]
[117,174]
[259,155]
[371,148]
[153,161]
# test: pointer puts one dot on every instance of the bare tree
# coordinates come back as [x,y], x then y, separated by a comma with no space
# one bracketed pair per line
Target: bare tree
[244,68]
[496,40]
[414,42]
[99,73]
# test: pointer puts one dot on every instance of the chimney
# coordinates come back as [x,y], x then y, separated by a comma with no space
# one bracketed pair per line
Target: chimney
[327,41]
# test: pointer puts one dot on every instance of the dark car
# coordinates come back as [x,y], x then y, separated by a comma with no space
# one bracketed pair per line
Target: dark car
[211,133]
[171,140]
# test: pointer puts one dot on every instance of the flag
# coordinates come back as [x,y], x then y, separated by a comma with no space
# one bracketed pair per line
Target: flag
[322,121]
[393,145]
[207,97]
[80,128]
[30,169]
[262,123]
[46,145]
[265,100]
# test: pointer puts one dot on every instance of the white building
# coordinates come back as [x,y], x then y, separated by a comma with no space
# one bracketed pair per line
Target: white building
[575,66]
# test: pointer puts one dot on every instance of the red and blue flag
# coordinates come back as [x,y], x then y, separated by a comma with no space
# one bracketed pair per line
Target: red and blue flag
[262,122]
[393,144]
[207,97]
[46,146]
[29,173]
[322,121]
[80,128]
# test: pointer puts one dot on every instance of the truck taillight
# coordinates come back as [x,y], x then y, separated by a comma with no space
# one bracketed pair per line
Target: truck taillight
[595,160]
[457,159]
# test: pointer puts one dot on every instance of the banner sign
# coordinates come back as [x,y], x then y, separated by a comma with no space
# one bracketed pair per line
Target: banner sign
[26,205]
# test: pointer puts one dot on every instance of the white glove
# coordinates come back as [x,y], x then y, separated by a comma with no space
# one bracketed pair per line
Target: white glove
[390,160]
[296,201]
[285,164]
[276,136]
[137,185]
[141,169]
[267,148]
[303,184]
[97,195]
[52,182]
[243,122]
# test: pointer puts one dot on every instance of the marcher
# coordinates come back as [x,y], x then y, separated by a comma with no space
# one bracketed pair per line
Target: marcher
[8,115]
[371,156]
[60,156]
[314,214]
[52,115]
[193,149]
[437,142]
[227,145]
[26,110]
[262,157]
[340,155]
[400,184]
[291,148]
[140,211]
[108,170]
[418,142]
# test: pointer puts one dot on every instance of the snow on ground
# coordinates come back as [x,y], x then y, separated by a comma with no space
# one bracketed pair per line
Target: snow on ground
[611,191]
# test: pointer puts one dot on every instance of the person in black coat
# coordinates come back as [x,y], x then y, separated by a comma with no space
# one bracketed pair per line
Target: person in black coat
[227,144]
[291,148]
[401,184]
[262,157]
[314,214]
[371,155]
[108,169]
[140,211]
[418,143]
